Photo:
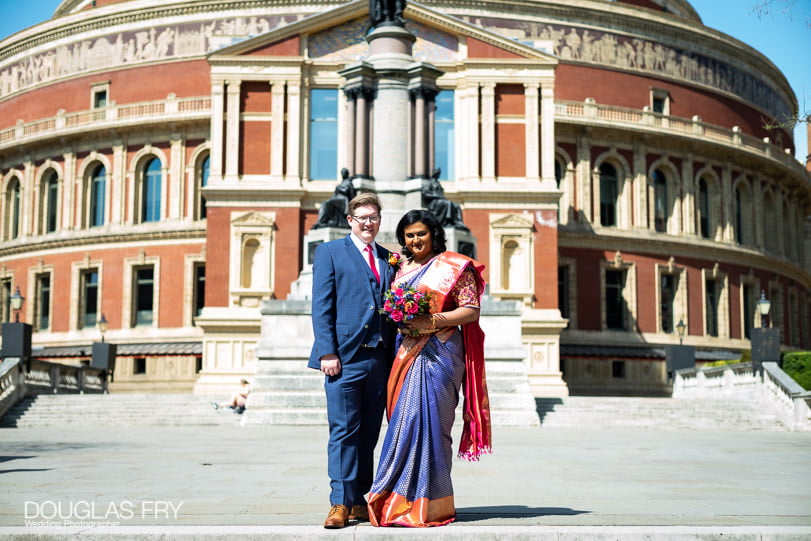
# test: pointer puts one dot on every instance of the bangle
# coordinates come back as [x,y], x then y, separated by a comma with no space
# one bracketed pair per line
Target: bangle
[433,322]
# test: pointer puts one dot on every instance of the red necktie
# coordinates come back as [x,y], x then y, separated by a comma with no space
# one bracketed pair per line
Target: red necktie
[372,262]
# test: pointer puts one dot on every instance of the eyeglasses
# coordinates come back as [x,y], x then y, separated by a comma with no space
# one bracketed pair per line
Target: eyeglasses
[373,219]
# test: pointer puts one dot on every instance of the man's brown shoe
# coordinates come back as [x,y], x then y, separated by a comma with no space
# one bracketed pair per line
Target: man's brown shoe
[359,513]
[337,517]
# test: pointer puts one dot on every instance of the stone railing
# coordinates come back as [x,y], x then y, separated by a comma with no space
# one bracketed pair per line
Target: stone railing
[591,112]
[46,378]
[788,400]
[171,109]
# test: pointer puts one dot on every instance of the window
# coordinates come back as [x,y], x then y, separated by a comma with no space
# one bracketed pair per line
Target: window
[98,191]
[13,209]
[138,366]
[660,201]
[43,305]
[703,209]
[739,237]
[618,369]
[667,297]
[444,133]
[204,172]
[614,301]
[90,298]
[563,292]
[748,310]
[660,101]
[144,295]
[608,195]
[323,133]
[100,99]
[711,306]
[151,191]
[199,288]
[49,202]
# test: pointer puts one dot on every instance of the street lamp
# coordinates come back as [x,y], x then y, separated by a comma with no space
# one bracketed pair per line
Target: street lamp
[763,306]
[102,323]
[17,301]
[680,328]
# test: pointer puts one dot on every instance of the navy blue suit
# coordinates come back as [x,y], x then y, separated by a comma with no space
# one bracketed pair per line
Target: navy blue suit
[346,321]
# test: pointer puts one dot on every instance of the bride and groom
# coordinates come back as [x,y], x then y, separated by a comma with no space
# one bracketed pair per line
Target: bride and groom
[414,374]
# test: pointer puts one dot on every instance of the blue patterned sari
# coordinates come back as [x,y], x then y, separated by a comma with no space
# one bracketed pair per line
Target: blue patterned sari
[413,482]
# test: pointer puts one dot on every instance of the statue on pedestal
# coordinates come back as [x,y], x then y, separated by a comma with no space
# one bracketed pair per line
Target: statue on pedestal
[334,210]
[386,13]
[447,212]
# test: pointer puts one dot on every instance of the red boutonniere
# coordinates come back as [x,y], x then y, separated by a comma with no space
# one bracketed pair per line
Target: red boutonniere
[395,260]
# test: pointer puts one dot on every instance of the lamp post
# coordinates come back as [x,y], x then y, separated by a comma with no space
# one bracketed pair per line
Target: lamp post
[17,301]
[763,306]
[103,325]
[680,328]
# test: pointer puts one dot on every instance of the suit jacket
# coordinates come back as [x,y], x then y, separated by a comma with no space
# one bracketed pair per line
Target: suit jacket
[346,301]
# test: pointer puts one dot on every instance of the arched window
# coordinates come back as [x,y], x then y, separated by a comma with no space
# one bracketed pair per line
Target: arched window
[98,191]
[151,191]
[703,209]
[660,202]
[50,202]
[739,236]
[13,211]
[204,171]
[608,195]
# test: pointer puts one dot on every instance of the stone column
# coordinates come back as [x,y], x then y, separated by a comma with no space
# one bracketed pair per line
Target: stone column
[727,214]
[27,192]
[533,150]
[215,166]
[688,197]
[293,169]
[468,122]
[175,180]
[117,178]
[584,180]
[68,191]
[420,135]
[548,135]
[641,187]
[488,132]
[349,130]
[276,131]
[232,133]
[362,143]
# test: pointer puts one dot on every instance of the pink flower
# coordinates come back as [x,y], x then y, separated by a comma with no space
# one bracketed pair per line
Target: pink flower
[396,315]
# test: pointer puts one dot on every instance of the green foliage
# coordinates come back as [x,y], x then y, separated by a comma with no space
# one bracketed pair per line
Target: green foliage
[798,366]
[746,356]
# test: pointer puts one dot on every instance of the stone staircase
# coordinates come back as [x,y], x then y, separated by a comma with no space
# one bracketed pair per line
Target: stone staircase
[116,410]
[722,412]
[291,395]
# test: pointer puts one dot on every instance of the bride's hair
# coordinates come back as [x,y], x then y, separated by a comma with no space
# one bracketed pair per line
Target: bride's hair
[416,216]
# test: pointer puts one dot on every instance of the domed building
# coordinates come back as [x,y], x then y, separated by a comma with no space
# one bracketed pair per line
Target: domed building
[620,167]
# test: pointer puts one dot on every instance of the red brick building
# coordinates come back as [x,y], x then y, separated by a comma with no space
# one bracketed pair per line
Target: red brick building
[161,165]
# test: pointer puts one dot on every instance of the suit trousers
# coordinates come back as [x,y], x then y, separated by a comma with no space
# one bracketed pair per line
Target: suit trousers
[356,399]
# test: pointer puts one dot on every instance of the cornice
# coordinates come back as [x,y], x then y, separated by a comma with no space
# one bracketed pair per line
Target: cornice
[88,239]
[656,244]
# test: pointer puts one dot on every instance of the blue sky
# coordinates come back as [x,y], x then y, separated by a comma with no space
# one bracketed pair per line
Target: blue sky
[783,34]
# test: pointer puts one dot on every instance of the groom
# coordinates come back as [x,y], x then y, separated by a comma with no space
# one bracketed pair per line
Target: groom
[353,347]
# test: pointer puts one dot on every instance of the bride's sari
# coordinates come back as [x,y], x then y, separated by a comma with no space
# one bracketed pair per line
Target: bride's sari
[413,482]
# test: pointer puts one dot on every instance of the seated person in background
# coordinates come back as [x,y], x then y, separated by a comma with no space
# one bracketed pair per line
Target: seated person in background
[238,399]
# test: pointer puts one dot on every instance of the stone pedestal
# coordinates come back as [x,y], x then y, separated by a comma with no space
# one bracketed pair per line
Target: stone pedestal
[541,333]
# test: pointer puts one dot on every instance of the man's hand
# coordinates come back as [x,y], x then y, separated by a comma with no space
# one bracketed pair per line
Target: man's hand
[330,365]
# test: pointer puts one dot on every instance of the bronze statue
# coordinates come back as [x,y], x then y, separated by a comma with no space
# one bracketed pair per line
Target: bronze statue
[447,212]
[386,13]
[334,210]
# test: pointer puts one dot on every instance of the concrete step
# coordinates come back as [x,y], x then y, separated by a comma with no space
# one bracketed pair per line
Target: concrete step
[720,413]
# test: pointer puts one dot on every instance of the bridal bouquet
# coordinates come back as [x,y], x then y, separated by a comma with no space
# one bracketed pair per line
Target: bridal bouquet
[403,303]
